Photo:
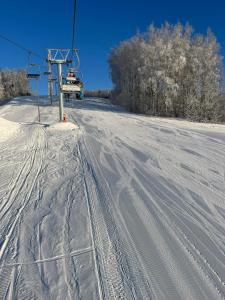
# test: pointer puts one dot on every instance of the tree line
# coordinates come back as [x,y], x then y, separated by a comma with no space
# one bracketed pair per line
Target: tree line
[170,71]
[13,83]
[98,93]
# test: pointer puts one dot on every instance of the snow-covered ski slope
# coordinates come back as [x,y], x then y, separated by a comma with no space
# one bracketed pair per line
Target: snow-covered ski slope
[118,206]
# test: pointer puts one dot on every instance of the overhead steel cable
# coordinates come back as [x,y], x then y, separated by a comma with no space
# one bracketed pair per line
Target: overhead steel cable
[74,25]
[21,47]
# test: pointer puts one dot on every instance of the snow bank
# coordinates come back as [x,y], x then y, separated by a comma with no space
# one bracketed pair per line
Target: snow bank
[63,126]
[7,129]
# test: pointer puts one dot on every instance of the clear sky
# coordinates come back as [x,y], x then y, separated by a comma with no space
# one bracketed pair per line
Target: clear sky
[101,25]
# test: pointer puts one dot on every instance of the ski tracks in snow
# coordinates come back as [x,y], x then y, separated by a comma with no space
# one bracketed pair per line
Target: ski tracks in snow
[46,246]
[106,265]
[160,191]
[14,205]
[114,272]
[128,208]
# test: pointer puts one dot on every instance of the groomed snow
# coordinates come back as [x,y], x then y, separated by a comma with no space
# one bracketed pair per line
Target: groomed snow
[132,208]
[61,126]
[212,127]
[7,129]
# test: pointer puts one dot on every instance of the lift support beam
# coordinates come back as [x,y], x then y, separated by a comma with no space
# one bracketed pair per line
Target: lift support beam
[59,57]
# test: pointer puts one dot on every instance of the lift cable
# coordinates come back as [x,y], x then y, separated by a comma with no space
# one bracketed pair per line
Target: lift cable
[74,25]
[21,47]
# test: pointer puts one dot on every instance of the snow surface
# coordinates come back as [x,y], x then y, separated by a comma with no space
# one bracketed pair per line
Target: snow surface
[63,126]
[194,125]
[7,129]
[122,207]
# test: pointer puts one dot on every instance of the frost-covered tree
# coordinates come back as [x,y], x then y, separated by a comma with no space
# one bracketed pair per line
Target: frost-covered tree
[13,83]
[169,71]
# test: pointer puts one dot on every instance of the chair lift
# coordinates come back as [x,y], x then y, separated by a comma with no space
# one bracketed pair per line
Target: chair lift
[72,84]
[47,73]
[33,75]
[34,72]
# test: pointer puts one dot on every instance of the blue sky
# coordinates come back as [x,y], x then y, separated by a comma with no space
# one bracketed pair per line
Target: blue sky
[101,25]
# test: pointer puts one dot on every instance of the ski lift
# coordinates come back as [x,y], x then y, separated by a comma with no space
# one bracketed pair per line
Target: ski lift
[47,73]
[33,70]
[72,84]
